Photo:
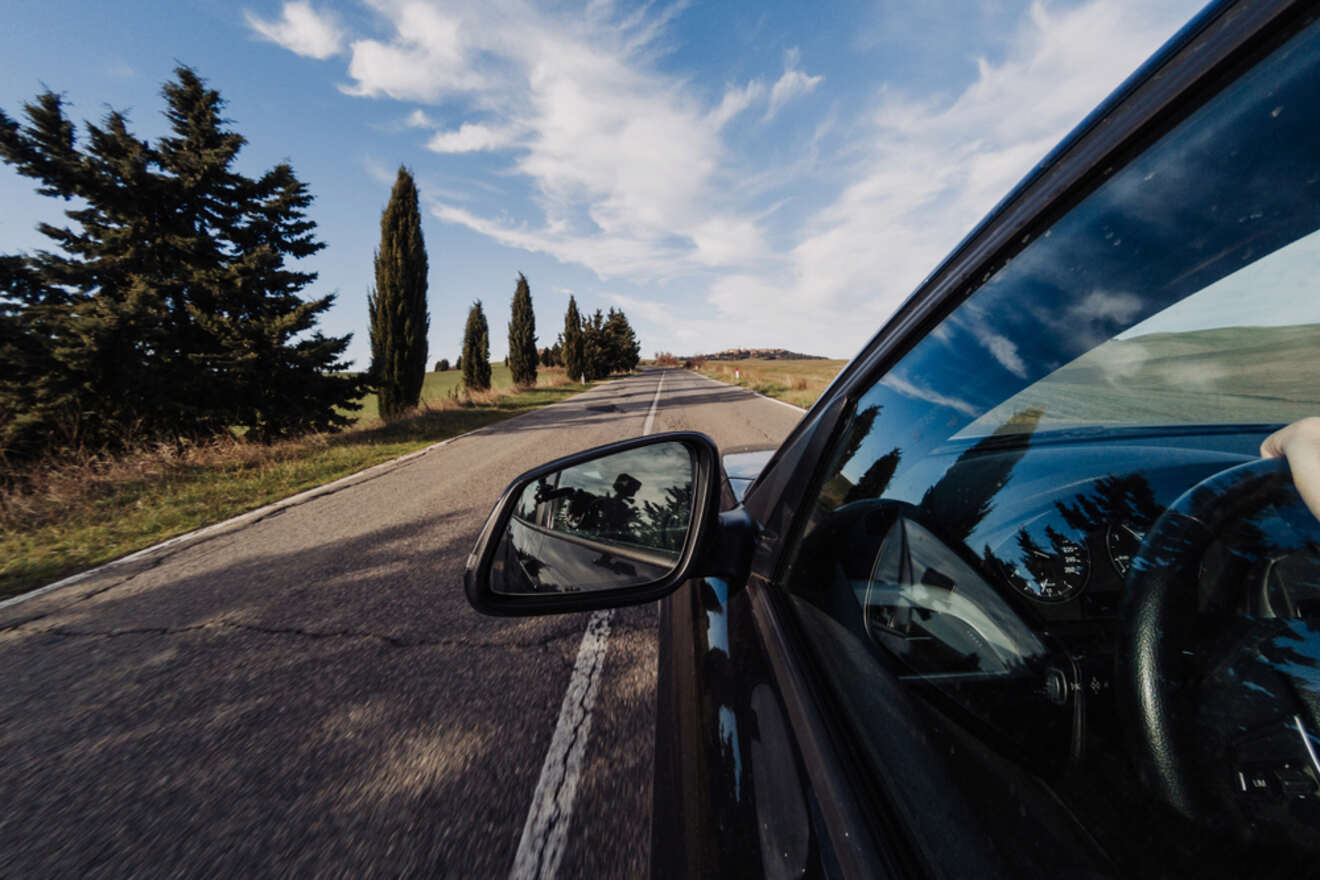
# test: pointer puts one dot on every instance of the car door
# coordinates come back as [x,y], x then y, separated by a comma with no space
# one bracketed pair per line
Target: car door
[923,671]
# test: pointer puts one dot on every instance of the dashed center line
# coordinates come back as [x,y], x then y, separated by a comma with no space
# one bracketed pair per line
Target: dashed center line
[545,832]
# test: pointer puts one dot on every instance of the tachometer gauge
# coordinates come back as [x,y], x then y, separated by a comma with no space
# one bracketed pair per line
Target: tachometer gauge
[1122,541]
[1054,572]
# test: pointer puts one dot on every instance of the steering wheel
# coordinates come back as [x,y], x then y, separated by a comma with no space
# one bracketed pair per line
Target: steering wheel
[1159,624]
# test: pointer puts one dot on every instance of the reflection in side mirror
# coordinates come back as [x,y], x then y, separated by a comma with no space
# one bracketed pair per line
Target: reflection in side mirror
[618,521]
[616,525]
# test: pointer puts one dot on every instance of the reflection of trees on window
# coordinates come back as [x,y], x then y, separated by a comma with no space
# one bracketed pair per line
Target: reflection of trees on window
[858,431]
[616,516]
[610,515]
[964,495]
[877,477]
[1115,499]
[664,526]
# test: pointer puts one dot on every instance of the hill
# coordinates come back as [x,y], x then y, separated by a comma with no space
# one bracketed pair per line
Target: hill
[760,354]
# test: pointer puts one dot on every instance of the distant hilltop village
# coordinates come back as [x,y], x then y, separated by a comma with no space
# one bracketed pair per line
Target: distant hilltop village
[765,354]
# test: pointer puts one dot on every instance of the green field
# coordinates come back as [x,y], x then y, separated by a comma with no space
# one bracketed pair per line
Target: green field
[438,386]
[1233,374]
[798,382]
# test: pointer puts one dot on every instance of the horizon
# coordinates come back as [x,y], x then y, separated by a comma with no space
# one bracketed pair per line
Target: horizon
[784,173]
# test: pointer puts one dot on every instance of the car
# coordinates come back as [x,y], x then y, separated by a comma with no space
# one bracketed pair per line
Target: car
[1019,595]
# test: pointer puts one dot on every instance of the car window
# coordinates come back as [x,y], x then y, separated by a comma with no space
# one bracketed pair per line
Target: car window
[988,544]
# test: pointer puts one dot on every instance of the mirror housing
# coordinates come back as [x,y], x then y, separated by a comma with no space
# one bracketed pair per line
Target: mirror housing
[478,580]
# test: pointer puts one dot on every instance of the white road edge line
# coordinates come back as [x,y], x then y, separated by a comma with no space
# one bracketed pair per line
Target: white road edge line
[252,514]
[750,391]
[545,832]
[224,524]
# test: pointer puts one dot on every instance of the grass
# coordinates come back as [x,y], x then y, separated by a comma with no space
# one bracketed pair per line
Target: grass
[70,516]
[438,386]
[795,382]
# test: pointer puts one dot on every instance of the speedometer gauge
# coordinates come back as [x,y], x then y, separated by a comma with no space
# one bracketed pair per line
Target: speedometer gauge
[1052,572]
[1122,541]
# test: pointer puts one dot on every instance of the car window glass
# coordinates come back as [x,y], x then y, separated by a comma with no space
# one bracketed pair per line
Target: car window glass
[977,549]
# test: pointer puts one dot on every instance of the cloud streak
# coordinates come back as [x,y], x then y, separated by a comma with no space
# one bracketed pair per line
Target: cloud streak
[300,29]
[644,175]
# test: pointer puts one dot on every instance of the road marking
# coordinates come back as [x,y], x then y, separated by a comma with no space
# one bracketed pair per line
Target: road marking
[650,417]
[546,830]
[224,524]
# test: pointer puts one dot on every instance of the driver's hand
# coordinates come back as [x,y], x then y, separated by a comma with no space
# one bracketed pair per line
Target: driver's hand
[1300,444]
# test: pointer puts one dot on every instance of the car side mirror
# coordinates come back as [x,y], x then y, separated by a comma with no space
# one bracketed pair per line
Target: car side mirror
[616,525]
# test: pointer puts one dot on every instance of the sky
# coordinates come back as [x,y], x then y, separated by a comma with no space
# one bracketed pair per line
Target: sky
[730,174]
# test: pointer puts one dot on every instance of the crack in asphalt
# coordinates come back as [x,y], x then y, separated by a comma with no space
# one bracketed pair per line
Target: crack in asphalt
[155,562]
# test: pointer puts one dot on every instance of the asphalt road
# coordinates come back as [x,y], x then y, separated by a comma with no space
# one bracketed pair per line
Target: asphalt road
[309,693]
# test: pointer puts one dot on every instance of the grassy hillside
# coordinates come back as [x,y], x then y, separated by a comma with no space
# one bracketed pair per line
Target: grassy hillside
[1234,374]
[798,382]
[437,387]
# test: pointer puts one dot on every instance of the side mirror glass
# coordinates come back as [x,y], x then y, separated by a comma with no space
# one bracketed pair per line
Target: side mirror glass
[611,526]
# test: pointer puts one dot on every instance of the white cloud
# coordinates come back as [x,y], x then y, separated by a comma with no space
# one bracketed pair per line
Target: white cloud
[378,171]
[419,119]
[735,101]
[633,172]
[301,29]
[911,389]
[622,161]
[932,168]
[470,137]
[794,83]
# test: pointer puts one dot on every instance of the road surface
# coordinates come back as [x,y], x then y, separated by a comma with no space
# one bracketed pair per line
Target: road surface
[309,693]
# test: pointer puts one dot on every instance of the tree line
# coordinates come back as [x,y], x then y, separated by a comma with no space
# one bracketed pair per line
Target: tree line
[168,307]
[588,348]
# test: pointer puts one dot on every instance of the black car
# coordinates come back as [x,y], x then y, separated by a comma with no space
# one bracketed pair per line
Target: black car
[1018,596]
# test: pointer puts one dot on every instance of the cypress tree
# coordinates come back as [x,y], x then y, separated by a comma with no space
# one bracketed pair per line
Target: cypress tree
[399,317]
[572,352]
[595,348]
[522,335]
[476,350]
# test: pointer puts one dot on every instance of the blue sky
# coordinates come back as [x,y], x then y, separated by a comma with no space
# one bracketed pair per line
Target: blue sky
[730,174]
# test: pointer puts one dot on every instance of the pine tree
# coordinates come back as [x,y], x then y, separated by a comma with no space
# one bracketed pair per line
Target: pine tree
[476,350]
[522,335]
[399,317]
[573,353]
[165,310]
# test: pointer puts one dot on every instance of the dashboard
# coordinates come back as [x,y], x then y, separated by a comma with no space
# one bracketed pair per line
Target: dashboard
[1070,509]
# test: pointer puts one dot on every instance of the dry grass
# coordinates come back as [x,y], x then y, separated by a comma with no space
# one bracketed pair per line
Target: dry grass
[61,516]
[445,390]
[795,382]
